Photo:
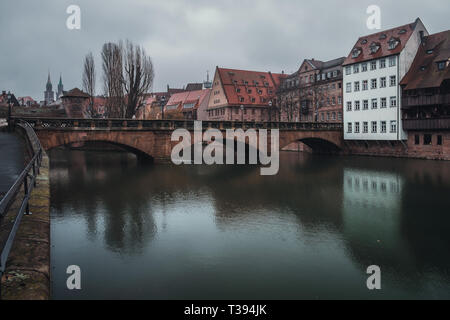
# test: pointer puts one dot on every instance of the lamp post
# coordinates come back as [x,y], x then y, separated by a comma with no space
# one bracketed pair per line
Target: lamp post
[270,110]
[9,112]
[242,113]
[163,100]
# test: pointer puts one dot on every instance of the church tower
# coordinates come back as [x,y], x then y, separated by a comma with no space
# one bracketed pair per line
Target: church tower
[49,96]
[60,92]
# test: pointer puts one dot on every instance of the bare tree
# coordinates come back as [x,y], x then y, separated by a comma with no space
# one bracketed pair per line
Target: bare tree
[89,79]
[138,76]
[112,65]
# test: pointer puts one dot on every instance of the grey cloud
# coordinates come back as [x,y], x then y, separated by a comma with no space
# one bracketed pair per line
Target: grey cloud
[186,38]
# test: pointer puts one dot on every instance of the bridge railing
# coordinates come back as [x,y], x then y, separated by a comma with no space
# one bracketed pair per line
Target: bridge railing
[129,124]
[27,179]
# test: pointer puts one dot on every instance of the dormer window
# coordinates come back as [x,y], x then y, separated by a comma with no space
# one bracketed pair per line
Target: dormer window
[393,43]
[364,41]
[374,47]
[402,31]
[356,52]
[423,68]
[441,65]
[383,36]
[430,51]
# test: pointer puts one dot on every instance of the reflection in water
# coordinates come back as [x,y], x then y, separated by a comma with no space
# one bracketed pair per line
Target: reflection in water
[226,232]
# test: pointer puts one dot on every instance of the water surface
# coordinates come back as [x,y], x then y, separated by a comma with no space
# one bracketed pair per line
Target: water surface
[225,232]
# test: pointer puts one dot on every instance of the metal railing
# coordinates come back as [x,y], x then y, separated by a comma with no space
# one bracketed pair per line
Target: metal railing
[129,124]
[27,179]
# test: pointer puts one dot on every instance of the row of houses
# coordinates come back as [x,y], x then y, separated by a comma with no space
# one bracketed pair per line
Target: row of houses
[391,90]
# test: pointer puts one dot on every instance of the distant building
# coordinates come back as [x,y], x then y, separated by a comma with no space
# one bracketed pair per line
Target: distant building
[426,99]
[4,99]
[60,92]
[76,103]
[27,102]
[372,73]
[49,95]
[190,105]
[241,95]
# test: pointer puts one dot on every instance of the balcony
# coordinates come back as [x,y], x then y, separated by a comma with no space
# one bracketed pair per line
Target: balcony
[426,124]
[425,100]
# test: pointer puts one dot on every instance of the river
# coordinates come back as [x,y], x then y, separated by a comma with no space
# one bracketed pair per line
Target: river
[225,232]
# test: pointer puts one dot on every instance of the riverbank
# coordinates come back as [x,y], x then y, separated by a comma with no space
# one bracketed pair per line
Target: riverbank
[27,276]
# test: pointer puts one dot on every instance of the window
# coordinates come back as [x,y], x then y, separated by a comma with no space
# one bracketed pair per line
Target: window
[357,105]
[393,81]
[356,68]
[365,127]
[393,126]
[439,140]
[335,73]
[416,139]
[363,67]
[441,65]
[392,61]
[349,127]
[356,52]
[393,102]
[382,63]
[348,70]
[356,127]
[374,127]
[339,115]
[356,86]
[383,126]
[373,84]
[365,85]
[349,87]
[333,116]
[328,116]
[340,100]
[322,115]
[383,82]
[383,103]
[373,65]
[374,47]
[374,103]
[365,104]
[393,43]
[427,139]
[349,106]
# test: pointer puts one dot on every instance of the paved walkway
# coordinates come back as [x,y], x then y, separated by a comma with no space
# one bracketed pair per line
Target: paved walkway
[11,160]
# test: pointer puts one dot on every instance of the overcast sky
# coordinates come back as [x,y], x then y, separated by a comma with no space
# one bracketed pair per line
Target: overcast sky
[187,38]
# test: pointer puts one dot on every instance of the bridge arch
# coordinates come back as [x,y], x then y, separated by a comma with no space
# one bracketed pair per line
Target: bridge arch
[320,141]
[68,138]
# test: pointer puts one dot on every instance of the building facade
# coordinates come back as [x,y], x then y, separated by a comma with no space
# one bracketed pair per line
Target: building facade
[241,95]
[313,93]
[372,73]
[426,99]
[190,105]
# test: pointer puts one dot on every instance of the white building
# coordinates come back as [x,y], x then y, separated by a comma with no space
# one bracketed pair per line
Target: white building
[372,73]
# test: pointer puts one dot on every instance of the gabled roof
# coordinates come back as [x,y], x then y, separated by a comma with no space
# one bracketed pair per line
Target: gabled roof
[262,86]
[402,34]
[75,93]
[196,97]
[194,86]
[424,72]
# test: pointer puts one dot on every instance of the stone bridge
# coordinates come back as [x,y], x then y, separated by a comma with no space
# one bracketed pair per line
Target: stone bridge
[152,138]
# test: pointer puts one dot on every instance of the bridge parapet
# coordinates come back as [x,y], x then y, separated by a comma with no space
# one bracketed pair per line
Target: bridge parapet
[170,125]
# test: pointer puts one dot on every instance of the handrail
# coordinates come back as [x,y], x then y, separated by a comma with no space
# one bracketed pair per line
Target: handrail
[169,124]
[28,179]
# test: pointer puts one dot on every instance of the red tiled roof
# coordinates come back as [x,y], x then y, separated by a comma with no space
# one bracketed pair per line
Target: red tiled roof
[256,88]
[181,98]
[424,72]
[402,33]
